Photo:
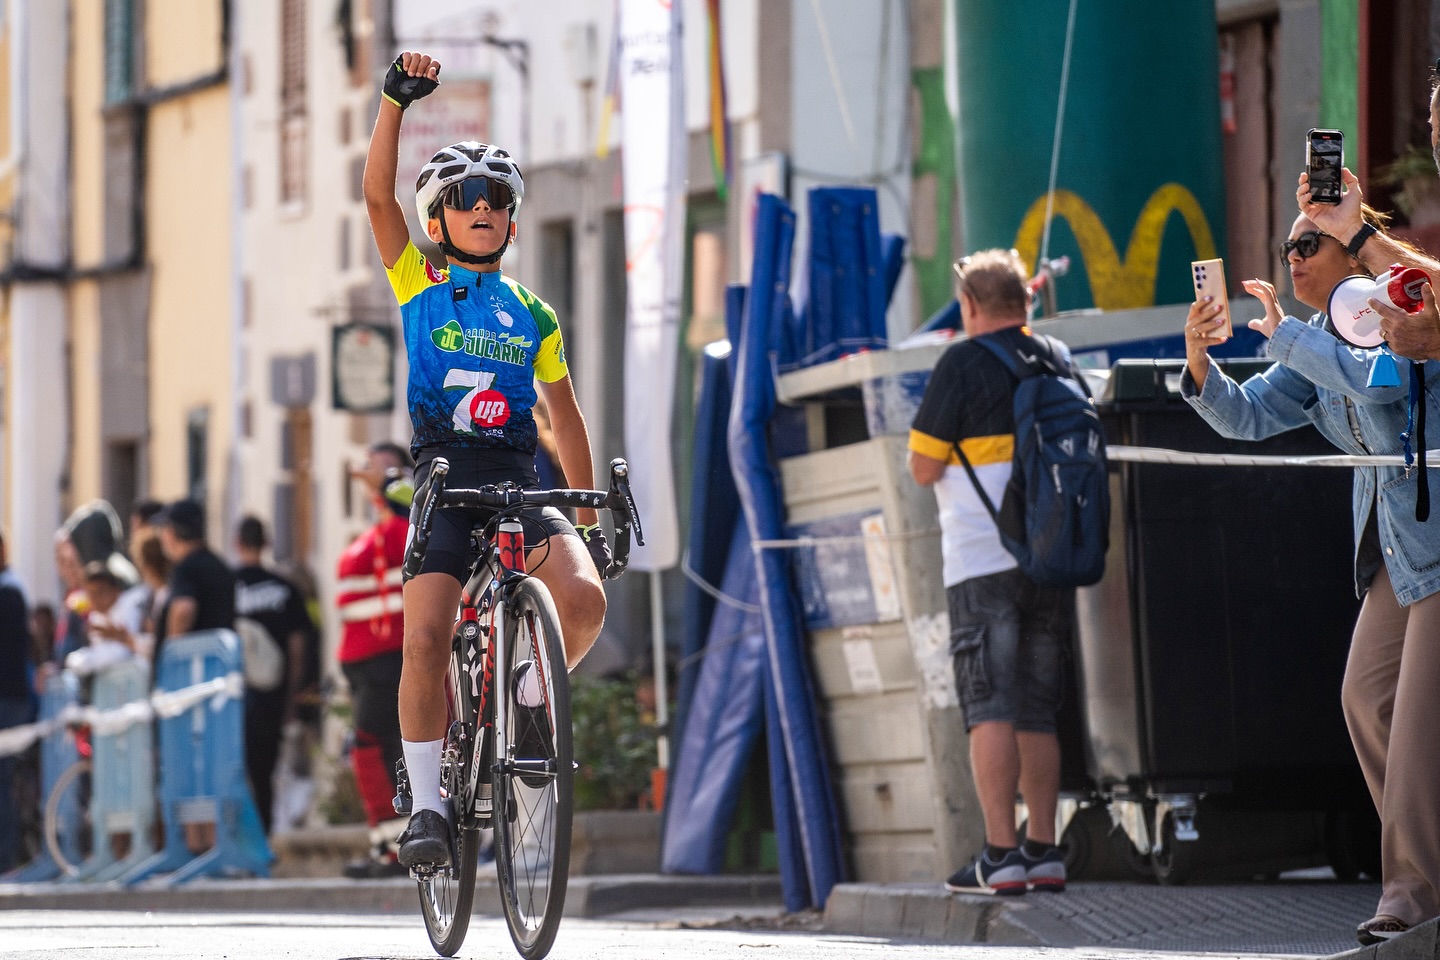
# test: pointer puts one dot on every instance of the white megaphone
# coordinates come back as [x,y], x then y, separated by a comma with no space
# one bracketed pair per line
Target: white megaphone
[1357,323]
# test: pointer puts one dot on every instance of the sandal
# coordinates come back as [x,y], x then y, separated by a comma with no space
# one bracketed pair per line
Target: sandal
[1379,929]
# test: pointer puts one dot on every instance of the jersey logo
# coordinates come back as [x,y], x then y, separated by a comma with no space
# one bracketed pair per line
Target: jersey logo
[489,408]
[433,275]
[449,338]
[505,319]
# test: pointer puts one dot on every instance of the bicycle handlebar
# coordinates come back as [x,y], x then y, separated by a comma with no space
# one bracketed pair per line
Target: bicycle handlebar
[618,500]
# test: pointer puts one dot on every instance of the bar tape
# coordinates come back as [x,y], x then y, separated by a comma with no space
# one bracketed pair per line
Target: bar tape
[107,723]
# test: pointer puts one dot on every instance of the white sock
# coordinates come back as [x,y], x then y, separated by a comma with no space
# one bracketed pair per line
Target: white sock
[422,766]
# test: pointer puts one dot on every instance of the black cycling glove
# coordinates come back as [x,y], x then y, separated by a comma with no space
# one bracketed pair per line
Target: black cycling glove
[402,89]
[594,538]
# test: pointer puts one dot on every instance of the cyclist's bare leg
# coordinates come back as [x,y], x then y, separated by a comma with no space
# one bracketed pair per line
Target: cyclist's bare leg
[431,600]
[569,574]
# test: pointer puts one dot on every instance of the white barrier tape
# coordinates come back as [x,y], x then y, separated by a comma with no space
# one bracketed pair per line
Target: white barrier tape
[107,723]
[1158,455]
[801,542]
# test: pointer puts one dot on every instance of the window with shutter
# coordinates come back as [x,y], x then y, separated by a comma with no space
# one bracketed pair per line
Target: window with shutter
[119,50]
[293,123]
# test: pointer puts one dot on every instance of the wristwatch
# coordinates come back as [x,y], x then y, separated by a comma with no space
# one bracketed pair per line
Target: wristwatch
[1356,242]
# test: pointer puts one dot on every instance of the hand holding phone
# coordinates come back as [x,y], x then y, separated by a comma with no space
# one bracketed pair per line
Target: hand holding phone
[1209,277]
[1324,161]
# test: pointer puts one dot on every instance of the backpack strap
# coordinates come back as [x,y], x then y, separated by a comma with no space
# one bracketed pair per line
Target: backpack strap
[975,480]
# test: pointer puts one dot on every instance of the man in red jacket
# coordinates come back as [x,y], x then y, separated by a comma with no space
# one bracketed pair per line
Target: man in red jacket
[372,636]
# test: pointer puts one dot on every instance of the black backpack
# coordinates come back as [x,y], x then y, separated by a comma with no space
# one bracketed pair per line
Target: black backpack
[1055,516]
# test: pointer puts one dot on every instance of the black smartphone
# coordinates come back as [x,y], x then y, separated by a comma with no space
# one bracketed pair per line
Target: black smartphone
[1324,159]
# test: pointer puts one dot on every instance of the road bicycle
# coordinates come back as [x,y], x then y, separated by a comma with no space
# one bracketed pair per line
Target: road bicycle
[507,764]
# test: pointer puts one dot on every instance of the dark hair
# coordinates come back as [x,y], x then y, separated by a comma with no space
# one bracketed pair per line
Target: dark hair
[150,555]
[185,518]
[392,449]
[145,508]
[250,534]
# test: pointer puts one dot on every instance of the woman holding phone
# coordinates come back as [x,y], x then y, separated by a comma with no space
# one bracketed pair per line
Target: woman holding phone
[1389,701]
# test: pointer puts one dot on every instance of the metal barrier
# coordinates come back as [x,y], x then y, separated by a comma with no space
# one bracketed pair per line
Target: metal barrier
[58,753]
[202,765]
[122,793]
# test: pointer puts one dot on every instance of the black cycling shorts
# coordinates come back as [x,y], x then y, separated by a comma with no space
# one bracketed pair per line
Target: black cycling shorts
[449,548]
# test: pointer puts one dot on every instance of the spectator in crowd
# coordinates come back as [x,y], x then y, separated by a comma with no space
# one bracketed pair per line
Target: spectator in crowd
[72,633]
[42,633]
[16,703]
[200,596]
[1417,337]
[154,574]
[373,632]
[273,602]
[1008,634]
[1389,699]
[142,516]
[116,609]
[201,586]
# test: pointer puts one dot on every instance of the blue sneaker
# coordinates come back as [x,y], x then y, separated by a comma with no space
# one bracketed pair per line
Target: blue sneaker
[1005,877]
[1046,872]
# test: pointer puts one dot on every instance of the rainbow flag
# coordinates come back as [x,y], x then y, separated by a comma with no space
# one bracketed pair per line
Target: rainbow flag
[719,122]
[610,102]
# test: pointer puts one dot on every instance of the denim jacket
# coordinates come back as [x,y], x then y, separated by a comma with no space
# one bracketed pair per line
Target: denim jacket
[1321,380]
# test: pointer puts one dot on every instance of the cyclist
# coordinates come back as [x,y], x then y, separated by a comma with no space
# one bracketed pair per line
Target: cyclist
[477,343]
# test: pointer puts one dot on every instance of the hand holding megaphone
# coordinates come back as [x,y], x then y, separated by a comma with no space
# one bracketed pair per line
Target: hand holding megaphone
[1411,333]
[1357,304]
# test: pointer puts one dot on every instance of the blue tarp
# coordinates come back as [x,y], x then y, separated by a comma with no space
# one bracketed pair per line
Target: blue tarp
[851,271]
[816,813]
[722,727]
[714,513]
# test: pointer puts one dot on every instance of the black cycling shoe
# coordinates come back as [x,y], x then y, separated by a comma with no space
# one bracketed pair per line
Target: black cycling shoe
[426,841]
[533,740]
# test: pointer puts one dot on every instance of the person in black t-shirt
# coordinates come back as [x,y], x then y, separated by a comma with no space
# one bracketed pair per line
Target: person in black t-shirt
[1007,632]
[202,597]
[273,602]
[16,706]
[202,588]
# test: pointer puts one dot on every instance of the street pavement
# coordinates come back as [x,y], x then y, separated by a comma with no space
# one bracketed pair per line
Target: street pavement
[690,934]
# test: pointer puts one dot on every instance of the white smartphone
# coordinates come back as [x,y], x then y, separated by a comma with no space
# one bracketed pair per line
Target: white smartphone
[1209,277]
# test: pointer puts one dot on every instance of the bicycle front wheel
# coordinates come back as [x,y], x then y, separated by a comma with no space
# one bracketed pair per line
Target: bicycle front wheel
[446,894]
[535,778]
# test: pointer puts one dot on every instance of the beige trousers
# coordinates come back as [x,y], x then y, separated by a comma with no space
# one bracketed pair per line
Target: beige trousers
[1391,698]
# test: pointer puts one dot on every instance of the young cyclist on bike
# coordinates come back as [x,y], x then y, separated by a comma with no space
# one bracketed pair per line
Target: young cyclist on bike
[477,342]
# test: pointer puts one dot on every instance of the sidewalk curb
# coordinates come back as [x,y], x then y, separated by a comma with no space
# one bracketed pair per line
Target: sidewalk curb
[927,912]
[1421,943]
[596,896]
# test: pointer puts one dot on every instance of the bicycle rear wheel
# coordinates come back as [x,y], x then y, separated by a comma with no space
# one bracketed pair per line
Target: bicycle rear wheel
[446,895]
[66,821]
[534,783]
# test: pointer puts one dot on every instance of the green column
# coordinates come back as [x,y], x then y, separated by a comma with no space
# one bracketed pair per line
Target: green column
[1140,187]
[1340,72]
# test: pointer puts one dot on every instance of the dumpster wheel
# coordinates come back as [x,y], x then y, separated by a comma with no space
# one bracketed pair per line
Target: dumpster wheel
[1174,862]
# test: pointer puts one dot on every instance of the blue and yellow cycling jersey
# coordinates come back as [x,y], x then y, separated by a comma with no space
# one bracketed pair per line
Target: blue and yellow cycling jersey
[476,342]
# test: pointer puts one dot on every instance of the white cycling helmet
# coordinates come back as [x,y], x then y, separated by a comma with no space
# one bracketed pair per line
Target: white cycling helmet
[459,162]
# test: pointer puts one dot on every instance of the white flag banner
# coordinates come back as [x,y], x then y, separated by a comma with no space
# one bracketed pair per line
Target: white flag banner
[652,127]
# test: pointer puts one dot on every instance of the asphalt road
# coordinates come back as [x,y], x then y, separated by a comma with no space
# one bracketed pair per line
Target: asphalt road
[691,935]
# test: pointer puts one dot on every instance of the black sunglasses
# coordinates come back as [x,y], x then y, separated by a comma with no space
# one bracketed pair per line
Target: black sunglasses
[1307,245]
[465,194]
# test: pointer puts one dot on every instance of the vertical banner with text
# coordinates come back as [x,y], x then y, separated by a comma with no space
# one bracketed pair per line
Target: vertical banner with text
[652,125]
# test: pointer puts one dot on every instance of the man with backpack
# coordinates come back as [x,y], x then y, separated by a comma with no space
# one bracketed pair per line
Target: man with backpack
[1008,437]
[272,621]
